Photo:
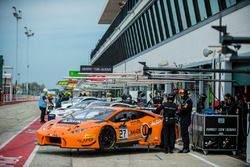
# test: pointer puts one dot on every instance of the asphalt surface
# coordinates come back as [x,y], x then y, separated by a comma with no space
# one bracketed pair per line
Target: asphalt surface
[15,117]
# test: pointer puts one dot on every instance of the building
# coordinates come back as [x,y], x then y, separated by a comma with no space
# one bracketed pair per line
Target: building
[175,33]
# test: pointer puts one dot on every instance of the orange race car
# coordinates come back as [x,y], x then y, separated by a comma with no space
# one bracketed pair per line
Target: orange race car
[103,128]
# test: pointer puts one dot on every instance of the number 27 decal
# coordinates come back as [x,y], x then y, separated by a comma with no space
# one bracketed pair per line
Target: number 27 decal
[123,133]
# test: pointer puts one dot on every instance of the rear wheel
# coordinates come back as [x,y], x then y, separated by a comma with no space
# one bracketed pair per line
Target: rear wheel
[107,138]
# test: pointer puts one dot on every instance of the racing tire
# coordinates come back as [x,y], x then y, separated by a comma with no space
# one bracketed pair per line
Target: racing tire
[107,138]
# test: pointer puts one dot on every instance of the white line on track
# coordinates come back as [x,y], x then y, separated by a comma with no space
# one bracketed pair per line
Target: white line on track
[204,160]
[5,143]
[32,155]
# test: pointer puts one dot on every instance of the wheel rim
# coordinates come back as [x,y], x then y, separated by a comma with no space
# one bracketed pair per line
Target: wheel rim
[107,138]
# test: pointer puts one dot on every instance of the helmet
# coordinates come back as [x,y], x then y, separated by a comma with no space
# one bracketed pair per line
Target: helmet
[170,97]
[183,91]
[45,90]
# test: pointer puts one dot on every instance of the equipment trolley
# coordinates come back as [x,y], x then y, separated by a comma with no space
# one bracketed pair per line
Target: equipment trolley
[214,132]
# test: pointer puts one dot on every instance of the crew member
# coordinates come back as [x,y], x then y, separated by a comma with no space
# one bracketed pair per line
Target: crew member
[229,106]
[185,119]
[157,100]
[169,110]
[43,104]
[201,103]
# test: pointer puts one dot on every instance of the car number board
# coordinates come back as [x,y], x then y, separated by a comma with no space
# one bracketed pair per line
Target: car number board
[123,133]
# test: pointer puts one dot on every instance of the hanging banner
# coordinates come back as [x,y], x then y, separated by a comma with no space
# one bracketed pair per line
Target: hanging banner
[96,69]
[76,74]
[62,83]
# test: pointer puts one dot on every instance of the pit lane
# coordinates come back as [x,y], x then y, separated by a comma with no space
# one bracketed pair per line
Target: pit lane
[20,115]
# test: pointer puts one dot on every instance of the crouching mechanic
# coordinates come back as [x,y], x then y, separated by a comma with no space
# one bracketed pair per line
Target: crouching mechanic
[169,110]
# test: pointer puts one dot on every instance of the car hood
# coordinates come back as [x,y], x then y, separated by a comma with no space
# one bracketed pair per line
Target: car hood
[67,125]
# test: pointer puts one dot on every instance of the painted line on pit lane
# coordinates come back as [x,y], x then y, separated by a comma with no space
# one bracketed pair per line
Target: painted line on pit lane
[31,157]
[5,143]
[158,157]
[204,160]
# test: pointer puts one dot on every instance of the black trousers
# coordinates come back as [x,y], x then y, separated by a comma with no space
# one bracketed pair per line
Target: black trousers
[169,134]
[185,122]
[43,111]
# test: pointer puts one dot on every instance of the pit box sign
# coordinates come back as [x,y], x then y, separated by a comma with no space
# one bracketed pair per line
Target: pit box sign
[96,69]
[221,125]
[63,83]
[76,74]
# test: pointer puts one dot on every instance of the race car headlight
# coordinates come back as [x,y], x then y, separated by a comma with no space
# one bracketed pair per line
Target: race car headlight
[78,130]
[44,127]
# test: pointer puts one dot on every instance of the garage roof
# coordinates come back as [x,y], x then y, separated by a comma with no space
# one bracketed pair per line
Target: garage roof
[110,11]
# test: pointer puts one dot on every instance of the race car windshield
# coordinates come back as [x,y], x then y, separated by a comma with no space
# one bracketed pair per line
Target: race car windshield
[82,104]
[92,114]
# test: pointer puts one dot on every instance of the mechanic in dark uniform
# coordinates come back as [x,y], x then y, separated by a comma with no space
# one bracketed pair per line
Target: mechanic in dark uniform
[229,107]
[201,103]
[185,119]
[157,100]
[169,110]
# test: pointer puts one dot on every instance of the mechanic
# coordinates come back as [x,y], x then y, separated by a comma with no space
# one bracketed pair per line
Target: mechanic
[201,103]
[43,104]
[169,110]
[185,119]
[229,107]
[157,100]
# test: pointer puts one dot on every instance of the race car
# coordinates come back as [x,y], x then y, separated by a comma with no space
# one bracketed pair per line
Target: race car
[103,128]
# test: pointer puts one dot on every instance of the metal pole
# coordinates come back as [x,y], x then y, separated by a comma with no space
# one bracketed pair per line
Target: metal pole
[17,15]
[28,33]
[27,65]
[219,59]
[16,52]
[213,86]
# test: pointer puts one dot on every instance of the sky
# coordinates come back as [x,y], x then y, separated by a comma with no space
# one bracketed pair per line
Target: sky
[65,32]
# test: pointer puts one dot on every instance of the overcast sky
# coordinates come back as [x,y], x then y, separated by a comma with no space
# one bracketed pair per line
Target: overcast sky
[65,33]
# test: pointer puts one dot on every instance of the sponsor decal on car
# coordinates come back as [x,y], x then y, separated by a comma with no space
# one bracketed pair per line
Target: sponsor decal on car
[90,136]
[136,131]
[86,140]
[156,122]
[145,129]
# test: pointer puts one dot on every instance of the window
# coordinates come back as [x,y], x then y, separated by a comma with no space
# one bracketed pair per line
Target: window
[230,3]
[191,12]
[156,24]
[214,6]
[164,18]
[129,42]
[133,41]
[202,9]
[151,25]
[147,20]
[147,33]
[138,37]
[160,20]
[136,42]
[170,13]
[183,16]
[175,19]
[141,34]
[168,19]
[125,45]
[144,34]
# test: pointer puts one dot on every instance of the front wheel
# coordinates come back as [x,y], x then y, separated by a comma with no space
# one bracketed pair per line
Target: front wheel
[107,138]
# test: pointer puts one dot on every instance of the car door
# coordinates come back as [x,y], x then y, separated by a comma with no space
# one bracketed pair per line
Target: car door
[129,126]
